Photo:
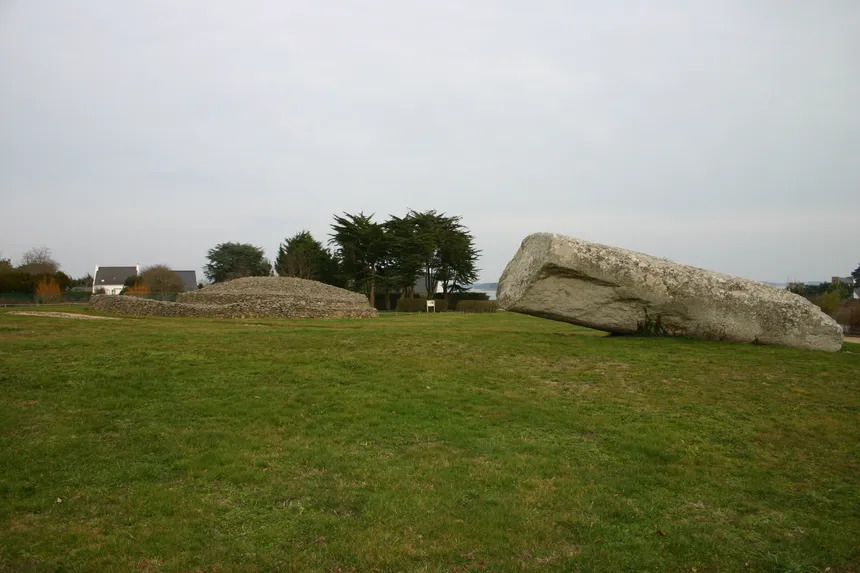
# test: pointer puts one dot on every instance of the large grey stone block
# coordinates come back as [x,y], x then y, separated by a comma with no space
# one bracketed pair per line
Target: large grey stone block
[625,292]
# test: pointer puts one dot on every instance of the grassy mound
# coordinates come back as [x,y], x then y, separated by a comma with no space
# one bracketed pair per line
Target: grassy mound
[414,442]
[249,297]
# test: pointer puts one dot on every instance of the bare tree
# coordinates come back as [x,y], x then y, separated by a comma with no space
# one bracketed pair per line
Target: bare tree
[38,261]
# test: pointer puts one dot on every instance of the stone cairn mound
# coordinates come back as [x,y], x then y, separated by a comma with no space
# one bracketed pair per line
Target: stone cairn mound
[624,292]
[249,297]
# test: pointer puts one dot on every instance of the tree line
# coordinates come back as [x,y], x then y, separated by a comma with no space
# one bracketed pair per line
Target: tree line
[388,257]
[38,272]
[828,296]
[36,267]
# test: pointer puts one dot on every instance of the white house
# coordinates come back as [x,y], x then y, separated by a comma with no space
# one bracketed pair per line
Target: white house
[112,279]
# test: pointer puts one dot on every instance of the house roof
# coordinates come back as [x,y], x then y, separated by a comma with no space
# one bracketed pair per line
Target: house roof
[113,275]
[189,279]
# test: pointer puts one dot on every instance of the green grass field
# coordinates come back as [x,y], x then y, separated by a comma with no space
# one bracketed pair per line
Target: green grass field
[447,442]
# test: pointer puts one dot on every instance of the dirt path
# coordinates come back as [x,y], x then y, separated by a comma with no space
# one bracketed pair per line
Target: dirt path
[60,315]
[854,339]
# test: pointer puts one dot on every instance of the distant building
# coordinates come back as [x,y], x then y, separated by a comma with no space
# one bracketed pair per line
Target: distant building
[420,286]
[189,279]
[112,279]
[847,281]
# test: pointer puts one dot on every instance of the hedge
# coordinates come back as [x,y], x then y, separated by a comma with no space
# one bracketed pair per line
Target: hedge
[419,305]
[77,295]
[470,295]
[25,298]
[477,306]
[16,281]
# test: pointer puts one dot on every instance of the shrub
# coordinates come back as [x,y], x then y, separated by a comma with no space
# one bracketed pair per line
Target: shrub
[854,320]
[16,298]
[76,296]
[477,306]
[64,280]
[21,282]
[16,282]
[470,295]
[161,279]
[844,291]
[828,302]
[138,289]
[48,290]
[848,315]
[410,305]
[419,305]
[388,302]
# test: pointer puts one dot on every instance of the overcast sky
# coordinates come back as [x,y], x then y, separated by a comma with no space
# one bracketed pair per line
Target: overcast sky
[722,134]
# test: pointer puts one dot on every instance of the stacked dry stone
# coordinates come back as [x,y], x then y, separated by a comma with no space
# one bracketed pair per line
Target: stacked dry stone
[249,297]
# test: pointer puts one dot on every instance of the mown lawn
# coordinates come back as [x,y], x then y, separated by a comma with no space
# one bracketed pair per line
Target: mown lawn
[447,442]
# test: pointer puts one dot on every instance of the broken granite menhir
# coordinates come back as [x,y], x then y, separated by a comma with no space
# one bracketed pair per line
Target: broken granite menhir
[625,292]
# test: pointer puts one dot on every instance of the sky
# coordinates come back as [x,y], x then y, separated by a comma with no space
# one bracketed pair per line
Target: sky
[722,134]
